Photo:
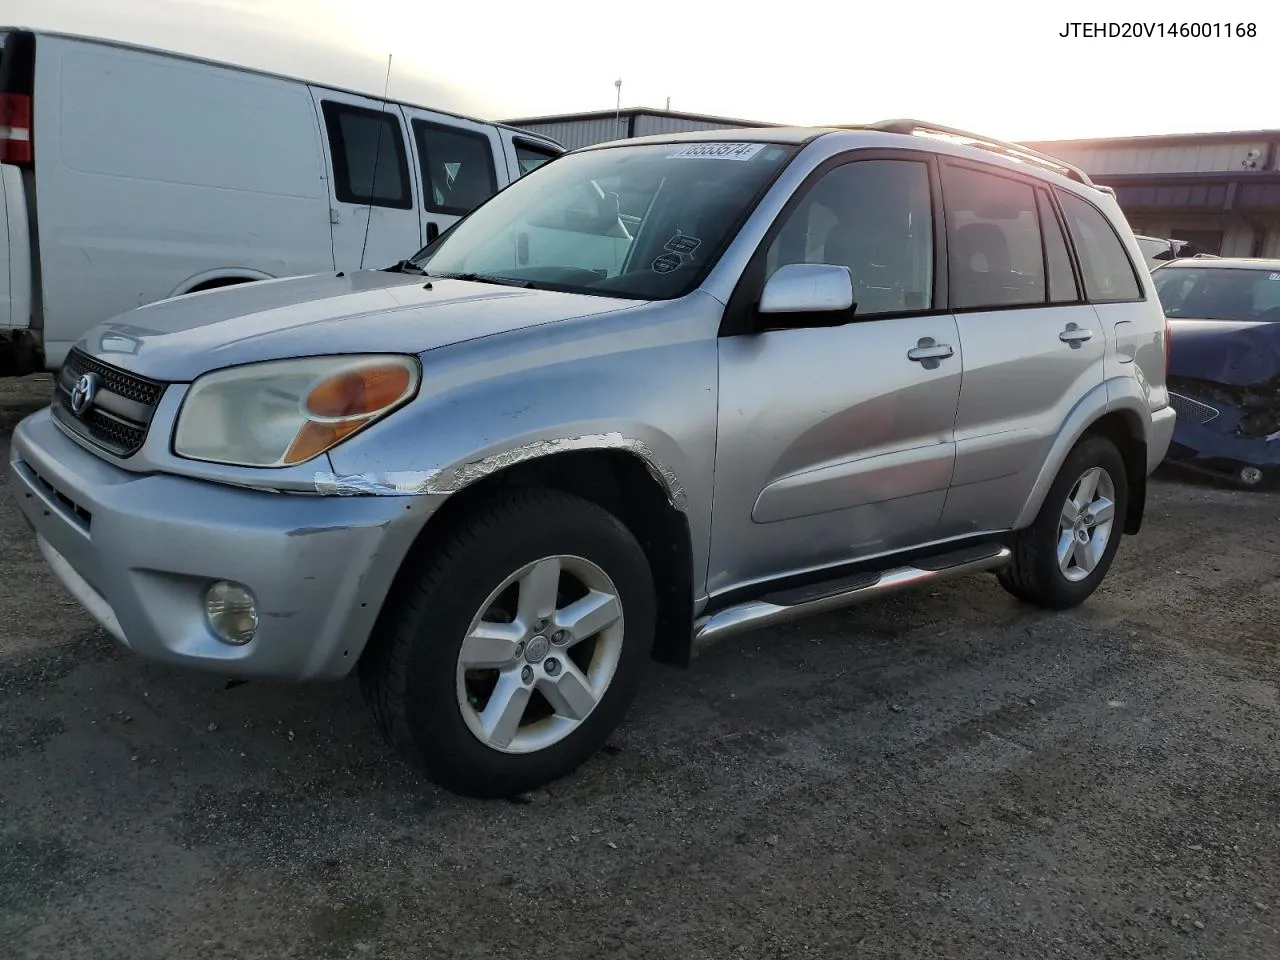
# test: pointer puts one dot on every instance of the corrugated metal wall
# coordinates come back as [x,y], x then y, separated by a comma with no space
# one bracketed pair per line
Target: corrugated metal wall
[648,124]
[1190,158]
[583,133]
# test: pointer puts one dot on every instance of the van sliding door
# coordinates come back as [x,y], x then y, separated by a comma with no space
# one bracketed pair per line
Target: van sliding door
[373,202]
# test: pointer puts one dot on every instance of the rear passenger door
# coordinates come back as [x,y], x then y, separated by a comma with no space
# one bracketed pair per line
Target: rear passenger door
[456,165]
[1032,347]
[372,208]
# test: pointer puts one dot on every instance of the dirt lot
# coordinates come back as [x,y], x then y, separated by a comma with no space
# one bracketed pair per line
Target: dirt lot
[946,774]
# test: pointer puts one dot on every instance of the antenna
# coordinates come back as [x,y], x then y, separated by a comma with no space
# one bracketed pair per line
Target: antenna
[377,155]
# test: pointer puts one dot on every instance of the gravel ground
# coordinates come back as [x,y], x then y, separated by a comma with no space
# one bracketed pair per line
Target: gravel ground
[945,774]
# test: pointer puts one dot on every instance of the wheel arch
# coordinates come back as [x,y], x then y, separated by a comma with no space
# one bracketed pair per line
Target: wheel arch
[221,277]
[618,480]
[1123,425]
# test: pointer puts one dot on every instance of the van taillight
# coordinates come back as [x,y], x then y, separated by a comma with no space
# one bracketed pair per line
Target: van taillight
[15,128]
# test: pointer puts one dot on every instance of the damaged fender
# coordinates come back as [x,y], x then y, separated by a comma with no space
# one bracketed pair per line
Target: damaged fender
[450,480]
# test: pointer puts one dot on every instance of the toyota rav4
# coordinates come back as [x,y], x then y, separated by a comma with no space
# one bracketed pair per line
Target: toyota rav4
[657,392]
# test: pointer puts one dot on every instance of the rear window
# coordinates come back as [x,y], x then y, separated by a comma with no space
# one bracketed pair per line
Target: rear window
[1219,293]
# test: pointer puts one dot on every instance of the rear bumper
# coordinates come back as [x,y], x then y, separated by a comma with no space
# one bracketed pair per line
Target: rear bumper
[1163,423]
[139,550]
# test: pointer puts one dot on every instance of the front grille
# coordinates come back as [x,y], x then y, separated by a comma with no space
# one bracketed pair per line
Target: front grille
[120,413]
[1192,411]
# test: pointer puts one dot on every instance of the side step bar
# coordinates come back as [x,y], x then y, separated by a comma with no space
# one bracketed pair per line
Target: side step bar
[796,604]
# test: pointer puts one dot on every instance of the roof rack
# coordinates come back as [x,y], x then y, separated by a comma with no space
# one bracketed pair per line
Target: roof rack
[1017,151]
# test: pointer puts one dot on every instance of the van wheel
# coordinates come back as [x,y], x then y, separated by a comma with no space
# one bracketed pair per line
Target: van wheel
[1061,558]
[516,648]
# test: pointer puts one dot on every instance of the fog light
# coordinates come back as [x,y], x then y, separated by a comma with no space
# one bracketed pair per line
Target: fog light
[231,611]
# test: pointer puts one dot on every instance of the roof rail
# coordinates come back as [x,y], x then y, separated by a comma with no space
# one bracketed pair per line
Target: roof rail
[1014,150]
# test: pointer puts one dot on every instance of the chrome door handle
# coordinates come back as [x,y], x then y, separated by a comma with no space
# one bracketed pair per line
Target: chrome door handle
[929,349]
[1074,334]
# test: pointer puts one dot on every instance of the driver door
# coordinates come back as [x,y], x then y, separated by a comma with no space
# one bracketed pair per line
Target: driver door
[836,442]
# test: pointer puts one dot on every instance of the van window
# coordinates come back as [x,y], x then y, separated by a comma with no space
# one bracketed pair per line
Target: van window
[1109,276]
[457,168]
[530,156]
[369,160]
[993,240]
[874,217]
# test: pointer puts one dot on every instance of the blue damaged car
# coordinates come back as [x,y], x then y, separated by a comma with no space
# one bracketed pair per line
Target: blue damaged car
[1224,366]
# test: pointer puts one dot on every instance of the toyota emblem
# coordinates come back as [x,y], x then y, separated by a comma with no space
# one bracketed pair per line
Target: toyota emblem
[82,394]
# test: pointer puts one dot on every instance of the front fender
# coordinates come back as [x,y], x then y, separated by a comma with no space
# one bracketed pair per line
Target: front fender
[644,383]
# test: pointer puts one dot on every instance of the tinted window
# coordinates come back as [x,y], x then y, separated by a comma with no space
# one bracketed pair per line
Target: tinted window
[874,217]
[993,240]
[1108,272]
[530,157]
[457,168]
[369,164]
[1219,293]
[1062,281]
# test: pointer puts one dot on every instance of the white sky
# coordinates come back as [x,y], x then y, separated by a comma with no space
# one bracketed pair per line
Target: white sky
[998,68]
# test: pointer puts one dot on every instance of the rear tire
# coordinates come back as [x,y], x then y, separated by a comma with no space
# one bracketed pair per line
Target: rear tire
[480,676]
[1054,565]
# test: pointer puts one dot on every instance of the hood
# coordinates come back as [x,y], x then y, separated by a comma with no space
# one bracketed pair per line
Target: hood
[1238,353]
[371,311]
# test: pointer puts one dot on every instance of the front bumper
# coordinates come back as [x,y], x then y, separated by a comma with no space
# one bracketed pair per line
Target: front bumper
[1212,446]
[139,550]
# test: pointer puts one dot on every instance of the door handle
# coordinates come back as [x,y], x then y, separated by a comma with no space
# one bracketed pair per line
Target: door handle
[1074,335]
[929,349]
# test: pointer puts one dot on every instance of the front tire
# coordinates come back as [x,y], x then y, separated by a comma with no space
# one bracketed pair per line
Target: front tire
[1059,561]
[517,646]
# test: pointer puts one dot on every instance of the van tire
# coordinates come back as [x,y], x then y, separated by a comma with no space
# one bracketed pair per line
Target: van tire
[1035,575]
[413,675]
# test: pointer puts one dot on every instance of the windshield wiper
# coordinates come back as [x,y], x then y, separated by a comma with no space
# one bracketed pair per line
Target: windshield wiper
[485,278]
[405,266]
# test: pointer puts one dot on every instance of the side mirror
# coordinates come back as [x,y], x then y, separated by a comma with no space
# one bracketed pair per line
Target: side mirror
[808,288]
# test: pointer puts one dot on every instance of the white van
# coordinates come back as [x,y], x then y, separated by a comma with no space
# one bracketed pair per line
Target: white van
[129,175]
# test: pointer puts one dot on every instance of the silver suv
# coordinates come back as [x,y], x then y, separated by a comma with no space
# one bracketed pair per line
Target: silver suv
[653,394]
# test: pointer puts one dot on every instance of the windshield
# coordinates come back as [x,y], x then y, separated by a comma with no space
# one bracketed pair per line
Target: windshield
[638,222]
[1219,293]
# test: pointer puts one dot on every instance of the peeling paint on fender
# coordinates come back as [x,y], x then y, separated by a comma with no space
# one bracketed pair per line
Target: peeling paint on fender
[450,480]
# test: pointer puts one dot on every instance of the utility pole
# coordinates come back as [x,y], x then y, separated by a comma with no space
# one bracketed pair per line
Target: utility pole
[617,110]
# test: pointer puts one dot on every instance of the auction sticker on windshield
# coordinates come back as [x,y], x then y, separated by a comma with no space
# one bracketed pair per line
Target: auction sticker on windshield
[719,151]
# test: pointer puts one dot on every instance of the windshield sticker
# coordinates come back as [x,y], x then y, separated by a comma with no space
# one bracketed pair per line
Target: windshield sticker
[718,151]
[682,244]
[666,263]
[1273,276]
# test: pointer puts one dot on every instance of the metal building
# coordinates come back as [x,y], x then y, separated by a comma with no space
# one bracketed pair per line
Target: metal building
[576,130]
[1219,190]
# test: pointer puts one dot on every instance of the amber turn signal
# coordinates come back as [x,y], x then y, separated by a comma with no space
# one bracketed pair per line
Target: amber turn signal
[358,393]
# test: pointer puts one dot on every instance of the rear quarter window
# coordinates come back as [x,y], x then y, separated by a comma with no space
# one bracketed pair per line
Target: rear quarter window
[1109,275]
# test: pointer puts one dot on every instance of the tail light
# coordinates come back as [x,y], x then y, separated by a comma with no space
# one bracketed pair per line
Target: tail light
[15,128]
[1168,341]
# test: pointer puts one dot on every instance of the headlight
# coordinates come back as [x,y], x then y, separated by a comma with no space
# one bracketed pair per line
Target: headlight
[285,412]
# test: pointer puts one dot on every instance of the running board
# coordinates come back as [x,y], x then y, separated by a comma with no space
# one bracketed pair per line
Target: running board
[787,605]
